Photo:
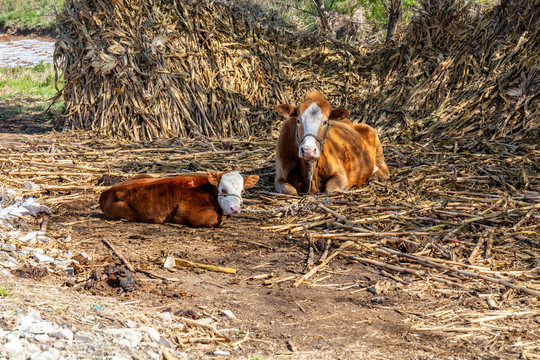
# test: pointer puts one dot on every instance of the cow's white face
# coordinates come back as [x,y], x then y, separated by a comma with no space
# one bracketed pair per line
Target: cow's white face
[230,191]
[311,125]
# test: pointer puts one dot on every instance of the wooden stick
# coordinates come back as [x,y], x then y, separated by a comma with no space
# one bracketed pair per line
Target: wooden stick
[322,264]
[187,263]
[334,214]
[326,249]
[309,260]
[463,272]
[192,322]
[119,254]
[476,249]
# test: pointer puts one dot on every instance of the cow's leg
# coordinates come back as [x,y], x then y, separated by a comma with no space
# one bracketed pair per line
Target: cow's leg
[281,184]
[336,183]
[199,218]
[381,170]
[121,210]
[283,187]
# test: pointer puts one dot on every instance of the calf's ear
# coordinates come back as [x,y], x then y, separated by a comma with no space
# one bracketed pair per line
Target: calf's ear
[287,110]
[213,178]
[250,180]
[339,114]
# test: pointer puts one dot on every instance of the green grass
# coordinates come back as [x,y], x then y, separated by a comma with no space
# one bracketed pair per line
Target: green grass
[29,15]
[5,291]
[28,88]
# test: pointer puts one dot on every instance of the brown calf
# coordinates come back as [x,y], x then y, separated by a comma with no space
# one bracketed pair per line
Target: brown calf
[320,149]
[192,200]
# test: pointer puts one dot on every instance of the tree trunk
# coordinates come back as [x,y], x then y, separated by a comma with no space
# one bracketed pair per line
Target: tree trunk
[323,16]
[394,15]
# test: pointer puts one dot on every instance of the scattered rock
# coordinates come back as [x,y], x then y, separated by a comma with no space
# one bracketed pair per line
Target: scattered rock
[222,353]
[169,262]
[153,334]
[29,185]
[228,313]
[166,342]
[166,318]
[43,259]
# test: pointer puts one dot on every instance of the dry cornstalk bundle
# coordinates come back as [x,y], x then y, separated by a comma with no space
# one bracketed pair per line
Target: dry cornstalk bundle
[462,72]
[143,70]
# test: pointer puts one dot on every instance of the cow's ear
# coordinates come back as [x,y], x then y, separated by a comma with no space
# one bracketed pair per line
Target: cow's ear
[339,114]
[287,110]
[213,178]
[250,180]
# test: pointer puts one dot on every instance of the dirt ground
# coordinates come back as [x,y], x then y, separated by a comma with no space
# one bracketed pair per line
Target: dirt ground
[335,314]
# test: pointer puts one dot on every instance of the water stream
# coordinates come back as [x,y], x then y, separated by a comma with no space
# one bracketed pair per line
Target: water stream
[25,52]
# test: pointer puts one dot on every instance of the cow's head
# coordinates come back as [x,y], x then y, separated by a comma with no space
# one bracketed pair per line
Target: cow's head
[230,186]
[312,123]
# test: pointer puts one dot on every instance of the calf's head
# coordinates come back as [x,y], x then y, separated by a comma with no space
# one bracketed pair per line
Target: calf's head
[312,123]
[230,187]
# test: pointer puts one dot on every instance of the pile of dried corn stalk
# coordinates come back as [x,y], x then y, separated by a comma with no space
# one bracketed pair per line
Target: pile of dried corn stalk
[142,70]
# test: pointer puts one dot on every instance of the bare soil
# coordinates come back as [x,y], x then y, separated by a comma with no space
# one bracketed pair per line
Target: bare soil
[333,315]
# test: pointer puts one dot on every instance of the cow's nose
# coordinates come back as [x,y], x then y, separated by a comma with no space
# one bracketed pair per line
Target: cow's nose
[308,152]
[235,209]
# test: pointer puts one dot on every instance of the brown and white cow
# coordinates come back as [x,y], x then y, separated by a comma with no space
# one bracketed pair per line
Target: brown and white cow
[320,149]
[192,200]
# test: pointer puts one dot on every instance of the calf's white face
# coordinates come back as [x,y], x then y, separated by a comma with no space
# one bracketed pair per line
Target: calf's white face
[230,192]
[310,121]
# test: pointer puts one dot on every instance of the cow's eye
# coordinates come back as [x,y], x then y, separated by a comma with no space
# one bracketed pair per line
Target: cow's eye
[224,192]
[325,122]
[298,121]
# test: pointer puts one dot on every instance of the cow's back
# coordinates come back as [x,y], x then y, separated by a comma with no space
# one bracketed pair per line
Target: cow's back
[349,151]
[147,199]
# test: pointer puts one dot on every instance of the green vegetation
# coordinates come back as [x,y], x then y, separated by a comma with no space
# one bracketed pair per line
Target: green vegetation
[29,15]
[5,291]
[29,88]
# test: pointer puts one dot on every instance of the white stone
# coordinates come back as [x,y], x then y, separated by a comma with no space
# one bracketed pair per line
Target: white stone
[169,262]
[67,333]
[166,342]
[43,338]
[152,333]
[29,185]
[46,355]
[29,238]
[228,313]
[85,255]
[13,347]
[153,355]
[42,327]
[166,318]
[13,336]
[43,258]
[131,324]
[221,352]
[123,342]
[132,336]
[30,318]
[59,344]
[32,349]
[206,321]
[9,247]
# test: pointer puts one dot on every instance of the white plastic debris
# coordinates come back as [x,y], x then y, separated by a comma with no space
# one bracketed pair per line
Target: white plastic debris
[29,207]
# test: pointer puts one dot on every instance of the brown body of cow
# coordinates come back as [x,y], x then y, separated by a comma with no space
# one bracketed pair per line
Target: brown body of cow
[340,155]
[192,200]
